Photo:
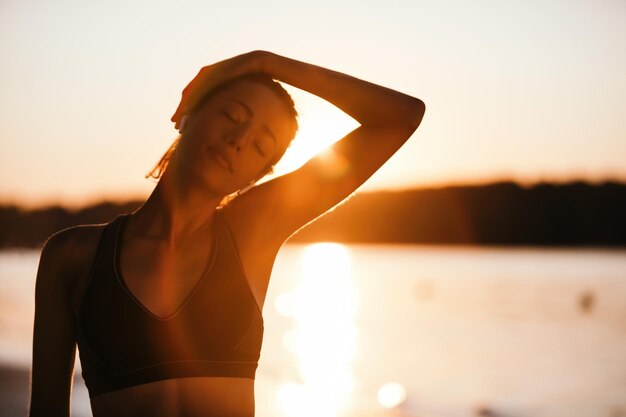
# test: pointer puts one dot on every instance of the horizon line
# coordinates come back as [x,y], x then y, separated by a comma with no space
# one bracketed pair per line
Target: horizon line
[123,198]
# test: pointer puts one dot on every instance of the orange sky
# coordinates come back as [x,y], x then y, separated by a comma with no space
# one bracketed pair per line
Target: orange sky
[525,91]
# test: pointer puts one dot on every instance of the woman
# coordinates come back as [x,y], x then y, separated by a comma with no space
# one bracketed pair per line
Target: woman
[165,302]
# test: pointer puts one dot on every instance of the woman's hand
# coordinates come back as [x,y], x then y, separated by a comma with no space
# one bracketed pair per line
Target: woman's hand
[215,74]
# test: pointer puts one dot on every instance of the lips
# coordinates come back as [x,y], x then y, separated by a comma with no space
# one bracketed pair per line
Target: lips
[222,157]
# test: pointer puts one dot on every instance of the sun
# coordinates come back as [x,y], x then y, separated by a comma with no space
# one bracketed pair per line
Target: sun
[321,125]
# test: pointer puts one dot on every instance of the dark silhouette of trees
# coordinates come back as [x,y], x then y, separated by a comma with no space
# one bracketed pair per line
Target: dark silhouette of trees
[503,213]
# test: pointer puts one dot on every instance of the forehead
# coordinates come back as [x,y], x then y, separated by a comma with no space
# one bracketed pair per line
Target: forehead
[267,107]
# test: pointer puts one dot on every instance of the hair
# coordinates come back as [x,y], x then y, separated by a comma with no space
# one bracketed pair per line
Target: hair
[258,77]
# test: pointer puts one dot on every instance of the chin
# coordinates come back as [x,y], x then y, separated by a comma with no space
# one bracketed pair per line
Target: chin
[211,182]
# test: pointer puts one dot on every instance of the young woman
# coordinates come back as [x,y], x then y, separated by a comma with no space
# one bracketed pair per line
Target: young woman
[165,302]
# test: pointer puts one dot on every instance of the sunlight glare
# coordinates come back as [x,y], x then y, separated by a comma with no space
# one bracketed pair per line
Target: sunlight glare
[391,395]
[320,127]
[289,341]
[284,304]
[301,400]
[324,340]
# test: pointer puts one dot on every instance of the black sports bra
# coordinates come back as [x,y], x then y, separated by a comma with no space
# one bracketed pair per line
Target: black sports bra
[217,331]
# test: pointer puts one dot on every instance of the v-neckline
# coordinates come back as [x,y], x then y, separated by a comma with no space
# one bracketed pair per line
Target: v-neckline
[117,250]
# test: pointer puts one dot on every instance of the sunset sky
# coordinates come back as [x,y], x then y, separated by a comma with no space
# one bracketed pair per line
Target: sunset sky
[518,90]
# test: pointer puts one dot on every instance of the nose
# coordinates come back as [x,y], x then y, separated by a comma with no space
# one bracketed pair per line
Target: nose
[239,137]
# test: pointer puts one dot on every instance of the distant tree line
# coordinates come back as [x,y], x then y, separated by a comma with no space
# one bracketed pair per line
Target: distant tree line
[503,213]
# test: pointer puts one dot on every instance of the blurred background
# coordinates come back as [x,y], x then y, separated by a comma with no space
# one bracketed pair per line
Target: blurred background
[480,272]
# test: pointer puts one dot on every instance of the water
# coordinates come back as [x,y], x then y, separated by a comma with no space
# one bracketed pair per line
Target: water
[442,331]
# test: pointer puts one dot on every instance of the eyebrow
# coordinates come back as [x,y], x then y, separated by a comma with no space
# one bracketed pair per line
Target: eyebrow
[251,114]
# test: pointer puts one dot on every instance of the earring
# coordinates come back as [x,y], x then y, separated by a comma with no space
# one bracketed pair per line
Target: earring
[183,121]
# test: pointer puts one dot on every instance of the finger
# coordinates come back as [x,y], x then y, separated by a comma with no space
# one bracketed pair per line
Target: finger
[186,94]
[177,121]
[193,84]
[176,114]
[180,110]
[201,84]
[190,95]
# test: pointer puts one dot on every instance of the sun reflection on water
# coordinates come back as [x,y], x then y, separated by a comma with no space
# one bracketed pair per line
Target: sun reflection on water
[324,337]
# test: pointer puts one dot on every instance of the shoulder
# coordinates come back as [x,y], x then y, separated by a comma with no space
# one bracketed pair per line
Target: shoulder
[73,241]
[252,216]
[250,227]
[66,255]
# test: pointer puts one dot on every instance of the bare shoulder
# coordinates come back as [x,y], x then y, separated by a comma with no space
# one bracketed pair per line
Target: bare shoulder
[251,225]
[67,255]
[73,242]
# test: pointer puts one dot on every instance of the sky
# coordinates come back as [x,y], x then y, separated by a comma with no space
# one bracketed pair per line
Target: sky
[526,91]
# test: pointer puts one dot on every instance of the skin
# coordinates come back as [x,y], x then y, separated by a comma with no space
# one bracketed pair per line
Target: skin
[166,241]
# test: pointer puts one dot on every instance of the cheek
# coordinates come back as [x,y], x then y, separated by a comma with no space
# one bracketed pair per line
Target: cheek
[245,175]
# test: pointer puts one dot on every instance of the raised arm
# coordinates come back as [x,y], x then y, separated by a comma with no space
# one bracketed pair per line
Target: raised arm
[283,205]
[54,336]
[369,104]
[388,118]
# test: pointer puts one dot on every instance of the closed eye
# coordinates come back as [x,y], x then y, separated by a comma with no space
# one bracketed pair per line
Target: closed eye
[228,116]
[256,144]
[258,148]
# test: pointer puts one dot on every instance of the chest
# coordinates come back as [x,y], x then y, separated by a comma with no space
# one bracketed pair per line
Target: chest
[162,280]
[149,312]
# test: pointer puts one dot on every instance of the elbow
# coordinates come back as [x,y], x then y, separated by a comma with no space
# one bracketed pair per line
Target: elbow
[412,115]
[418,108]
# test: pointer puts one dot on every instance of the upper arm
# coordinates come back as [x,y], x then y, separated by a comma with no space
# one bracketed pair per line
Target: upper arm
[289,202]
[54,332]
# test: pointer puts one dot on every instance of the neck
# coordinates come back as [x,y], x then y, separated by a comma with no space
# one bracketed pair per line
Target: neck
[177,211]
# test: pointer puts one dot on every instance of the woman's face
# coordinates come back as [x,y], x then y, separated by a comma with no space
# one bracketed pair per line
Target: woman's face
[236,135]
